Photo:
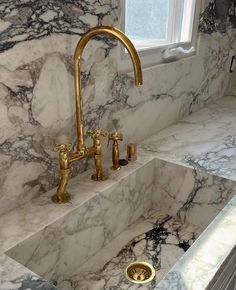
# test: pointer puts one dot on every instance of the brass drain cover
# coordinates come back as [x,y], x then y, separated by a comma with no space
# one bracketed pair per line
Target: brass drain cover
[140,272]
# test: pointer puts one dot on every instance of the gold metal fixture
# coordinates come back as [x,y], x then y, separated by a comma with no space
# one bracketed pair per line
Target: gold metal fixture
[115,137]
[132,152]
[66,158]
[140,272]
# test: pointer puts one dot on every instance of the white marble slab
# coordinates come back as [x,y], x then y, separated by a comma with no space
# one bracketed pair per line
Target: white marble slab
[43,215]
[204,141]
[197,268]
[190,195]
[85,227]
[36,88]
[156,238]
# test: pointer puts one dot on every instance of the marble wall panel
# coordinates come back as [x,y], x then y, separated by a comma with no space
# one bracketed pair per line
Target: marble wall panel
[37,42]
[218,16]
[190,195]
[232,85]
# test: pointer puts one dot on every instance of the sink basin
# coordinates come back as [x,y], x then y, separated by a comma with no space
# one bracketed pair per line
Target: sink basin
[153,213]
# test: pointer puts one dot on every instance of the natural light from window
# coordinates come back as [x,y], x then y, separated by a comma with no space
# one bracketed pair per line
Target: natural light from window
[155,23]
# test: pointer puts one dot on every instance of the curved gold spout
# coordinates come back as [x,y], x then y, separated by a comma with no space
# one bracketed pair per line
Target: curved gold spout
[65,157]
[116,33]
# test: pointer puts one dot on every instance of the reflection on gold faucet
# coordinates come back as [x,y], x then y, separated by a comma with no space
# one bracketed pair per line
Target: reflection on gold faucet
[82,151]
[115,137]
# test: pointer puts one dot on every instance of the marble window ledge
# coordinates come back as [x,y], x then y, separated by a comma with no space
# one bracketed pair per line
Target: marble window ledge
[204,141]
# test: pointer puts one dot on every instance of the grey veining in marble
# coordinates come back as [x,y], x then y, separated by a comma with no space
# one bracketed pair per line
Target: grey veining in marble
[85,230]
[29,283]
[37,104]
[30,20]
[36,88]
[217,16]
[161,171]
[190,195]
[161,246]
[196,269]
[203,141]
[19,277]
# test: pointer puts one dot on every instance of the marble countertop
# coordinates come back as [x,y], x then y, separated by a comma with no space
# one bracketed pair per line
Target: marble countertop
[206,141]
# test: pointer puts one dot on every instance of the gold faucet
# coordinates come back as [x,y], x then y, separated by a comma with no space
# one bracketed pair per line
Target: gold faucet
[115,137]
[96,151]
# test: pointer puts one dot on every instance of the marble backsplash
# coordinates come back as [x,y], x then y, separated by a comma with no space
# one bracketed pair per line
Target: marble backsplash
[218,16]
[232,84]
[36,88]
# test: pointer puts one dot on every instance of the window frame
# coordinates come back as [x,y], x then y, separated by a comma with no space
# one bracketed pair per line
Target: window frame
[152,56]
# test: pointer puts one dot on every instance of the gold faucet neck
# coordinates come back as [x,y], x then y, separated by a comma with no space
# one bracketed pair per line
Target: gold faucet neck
[96,149]
[119,35]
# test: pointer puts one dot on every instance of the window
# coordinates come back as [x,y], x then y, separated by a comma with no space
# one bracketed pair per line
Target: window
[154,26]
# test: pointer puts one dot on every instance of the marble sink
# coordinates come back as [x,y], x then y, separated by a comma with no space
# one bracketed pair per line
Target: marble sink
[153,211]
[175,207]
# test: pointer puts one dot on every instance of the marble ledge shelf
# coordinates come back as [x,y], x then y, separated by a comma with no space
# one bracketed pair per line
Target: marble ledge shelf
[29,219]
[205,140]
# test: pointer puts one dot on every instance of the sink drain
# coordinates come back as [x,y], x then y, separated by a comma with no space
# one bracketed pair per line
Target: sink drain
[140,272]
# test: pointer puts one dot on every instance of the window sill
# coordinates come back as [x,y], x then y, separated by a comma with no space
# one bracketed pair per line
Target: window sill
[153,57]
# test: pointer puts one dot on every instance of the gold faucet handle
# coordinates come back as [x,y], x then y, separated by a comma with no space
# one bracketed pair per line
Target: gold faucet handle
[115,136]
[97,133]
[62,147]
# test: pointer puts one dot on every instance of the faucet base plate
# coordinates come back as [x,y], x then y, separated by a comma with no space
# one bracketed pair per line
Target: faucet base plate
[66,198]
[102,178]
[116,168]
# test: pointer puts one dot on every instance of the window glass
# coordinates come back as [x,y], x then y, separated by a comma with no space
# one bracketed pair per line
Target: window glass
[153,23]
[147,19]
[181,17]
